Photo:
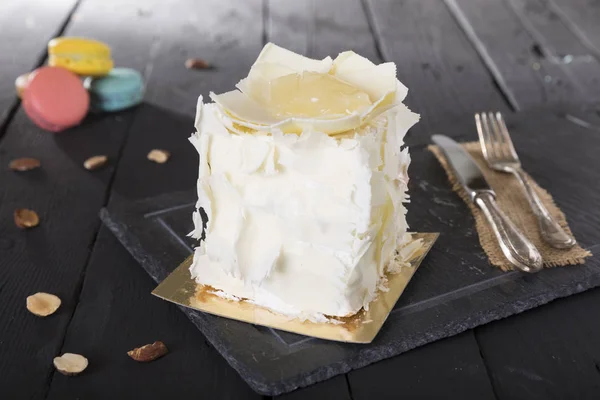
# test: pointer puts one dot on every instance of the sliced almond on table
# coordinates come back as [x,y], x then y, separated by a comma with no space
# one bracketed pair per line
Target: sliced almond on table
[70,364]
[43,304]
[24,164]
[21,83]
[149,352]
[196,63]
[26,218]
[95,162]
[159,156]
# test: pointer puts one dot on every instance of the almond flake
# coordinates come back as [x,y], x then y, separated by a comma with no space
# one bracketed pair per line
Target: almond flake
[25,218]
[196,63]
[95,162]
[149,352]
[24,164]
[70,364]
[43,304]
[159,156]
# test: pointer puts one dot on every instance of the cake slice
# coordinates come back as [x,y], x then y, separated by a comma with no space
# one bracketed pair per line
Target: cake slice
[303,179]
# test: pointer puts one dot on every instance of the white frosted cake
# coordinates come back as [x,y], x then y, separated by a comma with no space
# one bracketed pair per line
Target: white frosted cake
[303,179]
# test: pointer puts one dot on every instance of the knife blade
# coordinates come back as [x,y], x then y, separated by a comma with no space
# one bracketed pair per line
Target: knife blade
[518,250]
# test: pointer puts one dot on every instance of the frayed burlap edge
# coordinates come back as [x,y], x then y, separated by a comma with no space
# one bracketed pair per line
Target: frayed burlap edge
[513,202]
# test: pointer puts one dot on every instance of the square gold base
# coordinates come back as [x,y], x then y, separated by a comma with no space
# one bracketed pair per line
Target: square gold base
[180,288]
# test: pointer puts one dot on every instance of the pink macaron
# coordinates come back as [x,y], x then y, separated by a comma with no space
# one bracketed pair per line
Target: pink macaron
[55,99]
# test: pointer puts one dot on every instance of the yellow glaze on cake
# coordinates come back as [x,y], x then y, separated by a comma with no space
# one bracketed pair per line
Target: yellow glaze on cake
[80,55]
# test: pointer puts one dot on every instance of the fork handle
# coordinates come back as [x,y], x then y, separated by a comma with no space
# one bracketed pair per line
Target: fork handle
[514,245]
[550,229]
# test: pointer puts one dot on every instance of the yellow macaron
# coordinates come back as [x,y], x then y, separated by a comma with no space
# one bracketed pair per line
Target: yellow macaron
[80,55]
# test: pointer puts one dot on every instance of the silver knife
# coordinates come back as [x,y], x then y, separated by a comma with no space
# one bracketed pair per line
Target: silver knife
[515,246]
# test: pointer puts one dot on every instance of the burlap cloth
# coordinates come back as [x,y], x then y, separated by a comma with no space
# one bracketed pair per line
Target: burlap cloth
[513,202]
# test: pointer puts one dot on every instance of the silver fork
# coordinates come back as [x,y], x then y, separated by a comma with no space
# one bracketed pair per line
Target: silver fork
[500,155]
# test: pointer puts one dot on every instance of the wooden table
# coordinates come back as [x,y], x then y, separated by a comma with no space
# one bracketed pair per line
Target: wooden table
[456,56]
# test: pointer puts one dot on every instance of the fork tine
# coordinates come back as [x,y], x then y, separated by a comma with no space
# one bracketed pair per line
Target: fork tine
[507,140]
[480,133]
[488,143]
[499,146]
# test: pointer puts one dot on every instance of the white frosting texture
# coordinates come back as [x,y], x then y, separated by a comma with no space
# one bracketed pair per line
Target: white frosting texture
[304,214]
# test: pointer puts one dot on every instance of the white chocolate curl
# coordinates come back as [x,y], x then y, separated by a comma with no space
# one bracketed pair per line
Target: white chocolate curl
[305,206]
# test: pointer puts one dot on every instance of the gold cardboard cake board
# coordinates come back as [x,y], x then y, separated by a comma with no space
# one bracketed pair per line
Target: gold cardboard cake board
[180,288]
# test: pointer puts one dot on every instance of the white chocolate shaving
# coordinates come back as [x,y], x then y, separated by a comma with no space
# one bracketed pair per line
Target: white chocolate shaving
[305,212]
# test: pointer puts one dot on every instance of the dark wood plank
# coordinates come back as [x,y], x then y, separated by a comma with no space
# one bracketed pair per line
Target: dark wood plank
[552,352]
[582,17]
[574,195]
[334,388]
[131,31]
[117,313]
[557,43]
[25,27]
[139,178]
[321,28]
[137,182]
[150,179]
[52,256]
[226,34]
[340,26]
[290,26]
[450,368]
[144,36]
[549,29]
[135,316]
[211,30]
[446,78]
[58,193]
[512,54]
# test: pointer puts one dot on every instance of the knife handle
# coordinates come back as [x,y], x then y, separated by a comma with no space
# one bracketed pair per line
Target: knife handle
[515,246]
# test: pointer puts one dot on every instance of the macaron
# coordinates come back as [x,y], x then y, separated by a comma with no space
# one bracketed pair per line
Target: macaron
[80,55]
[120,89]
[55,99]
[21,83]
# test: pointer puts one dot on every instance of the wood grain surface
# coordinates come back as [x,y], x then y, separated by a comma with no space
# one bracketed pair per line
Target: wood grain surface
[138,177]
[512,52]
[321,28]
[552,352]
[50,257]
[581,16]
[456,56]
[25,28]
[435,60]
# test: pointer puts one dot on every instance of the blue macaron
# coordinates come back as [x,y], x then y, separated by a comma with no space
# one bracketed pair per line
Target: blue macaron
[120,89]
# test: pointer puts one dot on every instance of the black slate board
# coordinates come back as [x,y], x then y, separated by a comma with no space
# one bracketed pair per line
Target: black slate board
[455,288]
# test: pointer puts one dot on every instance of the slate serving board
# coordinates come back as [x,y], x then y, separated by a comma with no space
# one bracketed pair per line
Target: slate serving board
[455,288]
